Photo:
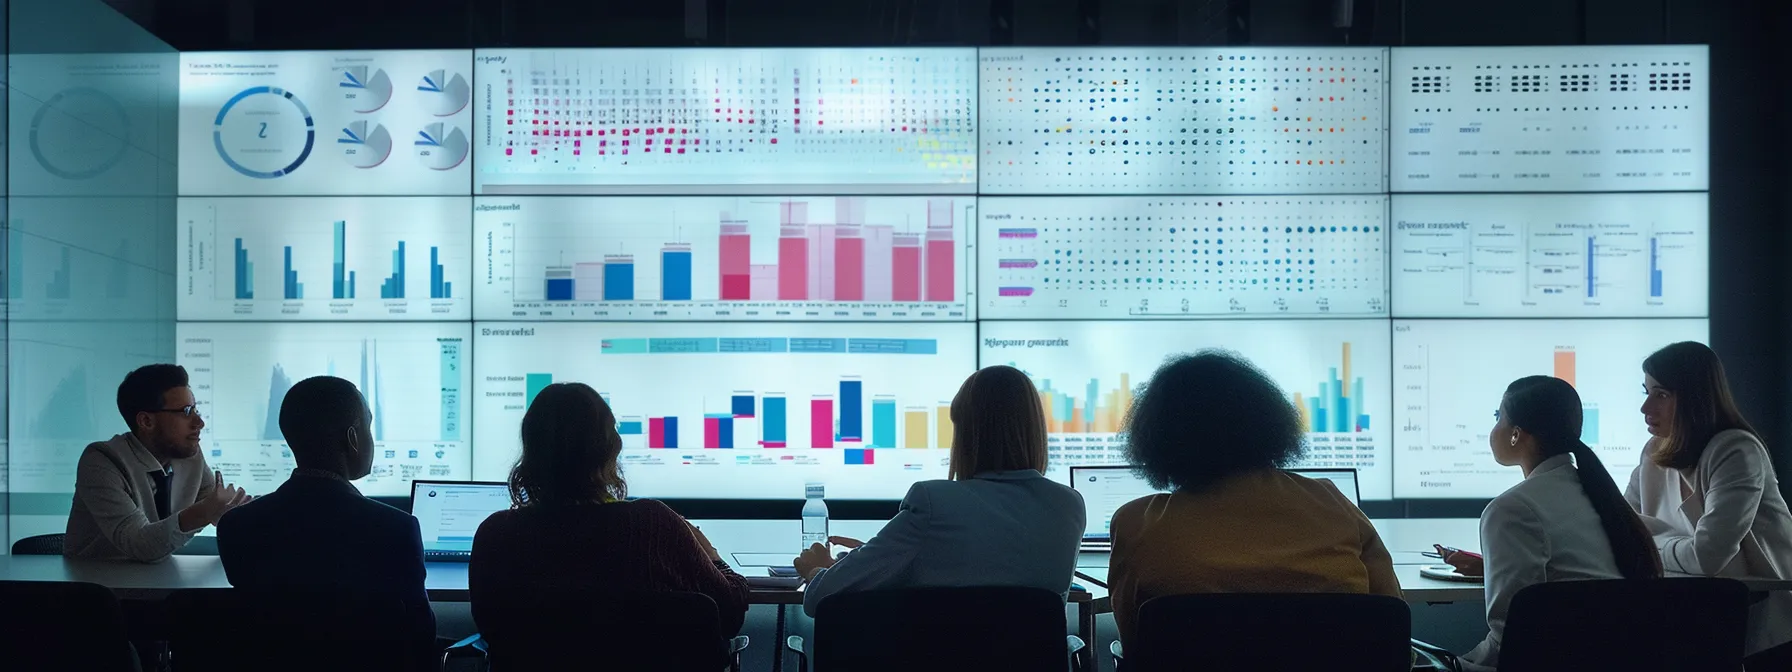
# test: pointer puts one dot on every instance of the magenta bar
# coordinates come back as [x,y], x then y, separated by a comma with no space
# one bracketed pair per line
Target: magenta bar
[1017,263]
[1014,291]
[905,269]
[1010,234]
[941,252]
[737,259]
[793,264]
[821,423]
[849,264]
[821,262]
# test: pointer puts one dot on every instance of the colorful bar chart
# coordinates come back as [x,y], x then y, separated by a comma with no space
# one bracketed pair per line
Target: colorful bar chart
[1338,405]
[811,258]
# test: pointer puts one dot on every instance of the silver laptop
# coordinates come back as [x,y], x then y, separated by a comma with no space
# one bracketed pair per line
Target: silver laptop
[1104,491]
[1345,479]
[449,513]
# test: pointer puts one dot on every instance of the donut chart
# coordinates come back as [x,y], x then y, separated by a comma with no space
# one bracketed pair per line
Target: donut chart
[365,88]
[364,148]
[80,153]
[441,147]
[271,134]
[445,94]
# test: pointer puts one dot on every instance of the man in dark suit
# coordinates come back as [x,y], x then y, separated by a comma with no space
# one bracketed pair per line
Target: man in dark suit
[317,531]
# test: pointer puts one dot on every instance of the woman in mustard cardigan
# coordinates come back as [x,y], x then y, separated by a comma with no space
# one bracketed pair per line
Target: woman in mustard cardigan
[1216,432]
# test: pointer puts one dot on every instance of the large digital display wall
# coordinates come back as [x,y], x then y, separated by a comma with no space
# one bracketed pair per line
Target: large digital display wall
[778,265]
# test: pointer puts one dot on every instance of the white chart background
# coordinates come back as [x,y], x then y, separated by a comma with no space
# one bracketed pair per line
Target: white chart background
[1525,255]
[524,236]
[1179,257]
[687,386]
[1551,118]
[1297,354]
[373,226]
[408,387]
[1450,374]
[743,120]
[1076,120]
[425,131]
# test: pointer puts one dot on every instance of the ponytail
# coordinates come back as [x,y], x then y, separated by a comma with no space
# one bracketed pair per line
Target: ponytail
[1632,546]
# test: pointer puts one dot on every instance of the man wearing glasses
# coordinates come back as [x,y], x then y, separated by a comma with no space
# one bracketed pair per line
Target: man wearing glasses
[143,494]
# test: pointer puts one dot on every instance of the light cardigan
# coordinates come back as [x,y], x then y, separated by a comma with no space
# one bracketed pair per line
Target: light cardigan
[1724,517]
[113,516]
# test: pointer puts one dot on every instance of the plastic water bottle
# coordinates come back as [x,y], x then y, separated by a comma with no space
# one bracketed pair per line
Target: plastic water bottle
[815,516]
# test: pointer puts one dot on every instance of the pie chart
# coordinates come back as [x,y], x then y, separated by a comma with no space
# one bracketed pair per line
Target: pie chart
[441,147]
[445,94]
[79,133]
[364,148]
[365,88]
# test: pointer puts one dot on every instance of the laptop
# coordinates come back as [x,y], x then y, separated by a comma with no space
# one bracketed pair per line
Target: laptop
[1104,491]
[449,512]
[1345,479]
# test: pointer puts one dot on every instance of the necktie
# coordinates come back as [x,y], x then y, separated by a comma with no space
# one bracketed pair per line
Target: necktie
[161,491]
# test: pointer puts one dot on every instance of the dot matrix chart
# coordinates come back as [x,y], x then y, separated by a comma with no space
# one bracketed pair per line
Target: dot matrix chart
[1183,121]
[1551,119]
[1163,257]
[670,121]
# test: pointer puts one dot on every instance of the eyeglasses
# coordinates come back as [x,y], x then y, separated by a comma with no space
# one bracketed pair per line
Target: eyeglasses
[190,410]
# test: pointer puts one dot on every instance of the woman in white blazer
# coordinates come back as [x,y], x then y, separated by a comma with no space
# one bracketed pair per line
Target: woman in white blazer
[996,521]
[1565,521]
[1707,491]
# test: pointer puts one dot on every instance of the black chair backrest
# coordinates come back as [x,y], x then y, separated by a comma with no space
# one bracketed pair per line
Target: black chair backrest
[1272,631]
[596,630]
[1626,625]
[43,544]
[977,628]
[49,625]
[229,630]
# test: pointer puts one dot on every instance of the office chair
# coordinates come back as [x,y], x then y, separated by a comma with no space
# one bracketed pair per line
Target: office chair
[231,629]
[1270,631]
[592,630]
[43,544]
[978,628]
[55,625]
[1621,624]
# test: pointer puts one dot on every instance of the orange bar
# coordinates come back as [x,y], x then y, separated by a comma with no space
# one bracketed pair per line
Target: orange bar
[1565,365]
[1345,381]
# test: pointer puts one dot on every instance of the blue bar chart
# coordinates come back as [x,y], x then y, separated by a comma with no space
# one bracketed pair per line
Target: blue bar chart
[262,258]
[412,376]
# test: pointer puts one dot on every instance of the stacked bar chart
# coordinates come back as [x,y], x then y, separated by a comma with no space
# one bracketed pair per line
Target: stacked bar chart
[766,404]
[727,258]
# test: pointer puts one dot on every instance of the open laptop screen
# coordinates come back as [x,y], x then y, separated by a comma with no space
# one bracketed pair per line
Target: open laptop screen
[1104,491]
[1345,479]
[449,512]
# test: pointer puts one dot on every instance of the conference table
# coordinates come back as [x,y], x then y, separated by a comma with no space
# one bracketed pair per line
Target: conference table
[1406,540]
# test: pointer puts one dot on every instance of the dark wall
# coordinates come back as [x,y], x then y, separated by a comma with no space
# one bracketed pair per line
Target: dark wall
[1750,198]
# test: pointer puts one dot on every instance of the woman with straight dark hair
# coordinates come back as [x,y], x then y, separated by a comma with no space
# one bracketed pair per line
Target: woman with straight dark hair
[995,521]
[1565,521]
[1707,490]
[1217,432]
[570,528]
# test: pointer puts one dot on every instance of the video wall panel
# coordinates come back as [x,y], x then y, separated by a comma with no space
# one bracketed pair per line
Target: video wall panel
[1551,118]
[778,265]
[311,123]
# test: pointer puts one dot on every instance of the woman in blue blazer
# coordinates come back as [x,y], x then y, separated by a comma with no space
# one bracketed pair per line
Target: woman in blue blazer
[995,521]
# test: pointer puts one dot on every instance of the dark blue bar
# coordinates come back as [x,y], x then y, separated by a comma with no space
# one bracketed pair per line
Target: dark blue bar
[559,289]
[852,426]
